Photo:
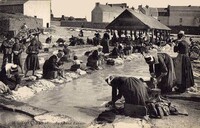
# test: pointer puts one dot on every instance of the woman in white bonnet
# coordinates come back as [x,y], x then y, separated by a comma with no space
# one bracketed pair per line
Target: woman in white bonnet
[161,68]
[9,75]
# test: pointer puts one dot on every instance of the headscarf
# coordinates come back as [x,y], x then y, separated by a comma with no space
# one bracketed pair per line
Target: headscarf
[109,79]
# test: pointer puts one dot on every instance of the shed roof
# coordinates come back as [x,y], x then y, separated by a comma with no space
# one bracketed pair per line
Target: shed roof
[131,20]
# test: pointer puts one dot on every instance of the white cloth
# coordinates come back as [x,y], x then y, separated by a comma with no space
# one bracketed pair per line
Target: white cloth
[78,62]
[9,66]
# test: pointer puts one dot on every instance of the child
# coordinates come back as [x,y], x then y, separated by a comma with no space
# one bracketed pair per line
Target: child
[76,64]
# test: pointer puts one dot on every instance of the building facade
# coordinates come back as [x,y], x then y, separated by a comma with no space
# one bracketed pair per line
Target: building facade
[180,16]
[34,8]
[107,13]
[184,15]
[186,18]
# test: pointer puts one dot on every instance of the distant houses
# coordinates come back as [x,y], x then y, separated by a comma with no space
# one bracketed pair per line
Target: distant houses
[107,13]
[185,18]
[35,8]
[178,18]
[181,16]
[102,15]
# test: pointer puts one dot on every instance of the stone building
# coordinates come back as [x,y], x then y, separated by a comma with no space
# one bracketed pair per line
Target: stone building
[178,18]
[107,13]
[34,8]
[180,15]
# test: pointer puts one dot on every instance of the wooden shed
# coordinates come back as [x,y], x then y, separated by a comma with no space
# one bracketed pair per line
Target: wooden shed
[132,21]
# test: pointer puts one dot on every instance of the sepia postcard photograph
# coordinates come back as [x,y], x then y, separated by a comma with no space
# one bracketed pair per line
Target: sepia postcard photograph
[99,63]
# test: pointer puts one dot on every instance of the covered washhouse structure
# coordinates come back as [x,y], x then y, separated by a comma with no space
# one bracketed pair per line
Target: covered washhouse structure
[138,26]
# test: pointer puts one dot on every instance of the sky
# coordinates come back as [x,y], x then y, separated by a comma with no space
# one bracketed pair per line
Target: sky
[83,8]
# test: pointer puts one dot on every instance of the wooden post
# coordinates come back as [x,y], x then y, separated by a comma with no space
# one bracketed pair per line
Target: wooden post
[152,38]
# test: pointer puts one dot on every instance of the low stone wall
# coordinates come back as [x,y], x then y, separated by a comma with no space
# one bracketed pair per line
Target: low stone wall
[14,24]
[188,29]
[83,24]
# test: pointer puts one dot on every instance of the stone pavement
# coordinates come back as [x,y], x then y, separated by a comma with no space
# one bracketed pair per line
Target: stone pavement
[20,107]
[185,96]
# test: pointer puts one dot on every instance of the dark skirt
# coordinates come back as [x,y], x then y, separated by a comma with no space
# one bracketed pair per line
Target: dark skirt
[75,67]
[134,91]
[168,81]
[92,64]
[17,60]
[187,74]
[31,62]
[105,44]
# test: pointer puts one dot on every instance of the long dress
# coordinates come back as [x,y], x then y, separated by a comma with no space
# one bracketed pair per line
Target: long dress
[17,56]
[6,48]
[50,66]
[114,53]
[132,89]
[67,52]
[32,61]
[105,44]
[92,62]
[183,67]
[164,64]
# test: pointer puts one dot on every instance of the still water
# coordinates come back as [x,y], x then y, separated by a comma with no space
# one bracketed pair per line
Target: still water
[82,98]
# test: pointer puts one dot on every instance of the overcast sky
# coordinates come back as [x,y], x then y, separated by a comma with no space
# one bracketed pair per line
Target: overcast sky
[83,8]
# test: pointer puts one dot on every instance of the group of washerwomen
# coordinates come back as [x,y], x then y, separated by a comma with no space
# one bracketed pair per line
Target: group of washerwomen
[165,71]
[12,49]
[167,74]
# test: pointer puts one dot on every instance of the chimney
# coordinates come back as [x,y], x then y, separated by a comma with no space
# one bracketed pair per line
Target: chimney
[97,3]
[147,6]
